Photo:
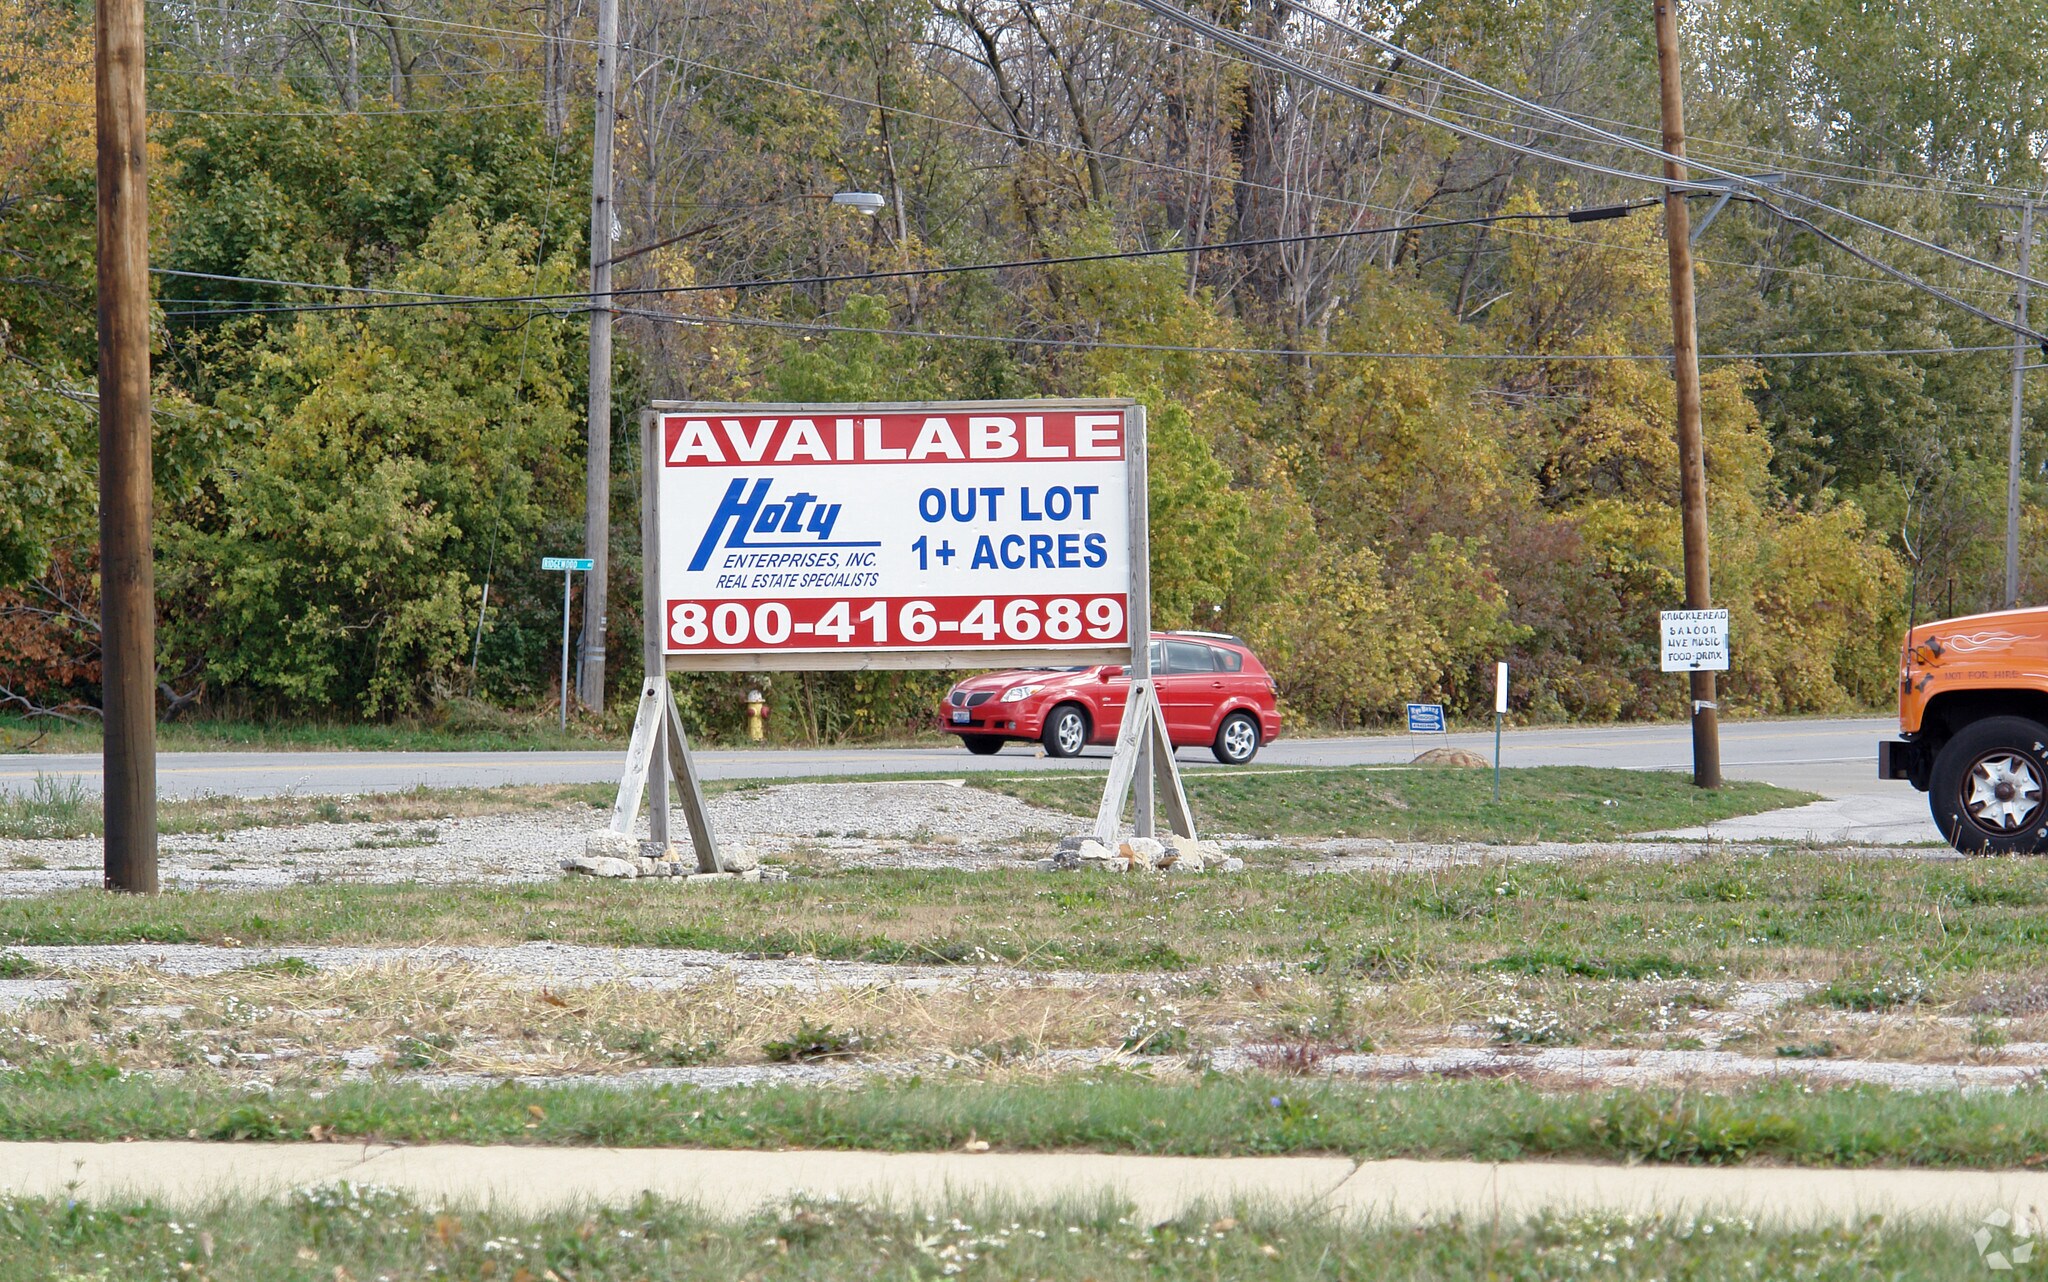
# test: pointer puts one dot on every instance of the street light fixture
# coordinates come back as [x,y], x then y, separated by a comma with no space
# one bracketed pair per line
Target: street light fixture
[869,203]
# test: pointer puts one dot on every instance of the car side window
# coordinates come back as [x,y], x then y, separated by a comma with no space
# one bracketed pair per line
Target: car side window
[1185,656]
[1227,660]
[1157,654]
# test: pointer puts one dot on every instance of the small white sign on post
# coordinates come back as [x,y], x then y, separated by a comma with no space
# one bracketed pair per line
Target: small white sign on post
[1694,640]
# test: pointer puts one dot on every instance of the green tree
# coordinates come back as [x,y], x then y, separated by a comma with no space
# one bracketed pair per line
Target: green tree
[337,558]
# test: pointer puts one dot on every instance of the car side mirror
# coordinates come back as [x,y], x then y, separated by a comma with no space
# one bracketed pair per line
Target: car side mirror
[1112,672]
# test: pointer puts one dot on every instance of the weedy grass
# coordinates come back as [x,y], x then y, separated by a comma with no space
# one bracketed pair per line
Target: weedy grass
[347,1230]
[1109,1111]
[49,807]
[1541,803]
[1786,915]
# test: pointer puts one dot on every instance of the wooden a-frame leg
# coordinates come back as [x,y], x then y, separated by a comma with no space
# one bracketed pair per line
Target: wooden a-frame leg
[689,789]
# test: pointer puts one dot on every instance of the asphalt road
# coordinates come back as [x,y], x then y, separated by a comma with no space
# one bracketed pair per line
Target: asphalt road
[1836,758]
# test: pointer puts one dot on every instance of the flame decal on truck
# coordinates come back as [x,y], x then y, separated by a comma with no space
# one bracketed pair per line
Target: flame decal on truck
[1983,642]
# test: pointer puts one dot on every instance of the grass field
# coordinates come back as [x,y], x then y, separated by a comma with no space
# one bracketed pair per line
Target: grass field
[1537,804]
[1107,1111]
[1541,803]
[345,1232]
[1757,916]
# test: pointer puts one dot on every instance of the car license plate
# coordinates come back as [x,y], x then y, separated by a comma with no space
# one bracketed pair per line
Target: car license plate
[962,716]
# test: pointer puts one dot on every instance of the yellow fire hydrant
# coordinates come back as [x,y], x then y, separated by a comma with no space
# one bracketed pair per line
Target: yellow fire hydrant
[757,715]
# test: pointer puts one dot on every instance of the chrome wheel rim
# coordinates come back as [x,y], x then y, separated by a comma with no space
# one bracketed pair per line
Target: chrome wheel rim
[1239,739]
[1069,732]
[2002,792]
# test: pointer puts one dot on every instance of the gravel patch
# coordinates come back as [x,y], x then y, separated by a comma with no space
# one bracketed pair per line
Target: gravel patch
[17,993]
[895,824]
[1576,1067]
[553,965]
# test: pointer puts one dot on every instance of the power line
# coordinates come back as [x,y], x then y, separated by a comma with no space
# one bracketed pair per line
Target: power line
[1656,151]
[901,273]
[424,24]
[1941,186]
[1309,353]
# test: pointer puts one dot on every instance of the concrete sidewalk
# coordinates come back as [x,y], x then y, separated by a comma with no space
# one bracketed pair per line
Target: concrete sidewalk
[733,1184]
[1897,816]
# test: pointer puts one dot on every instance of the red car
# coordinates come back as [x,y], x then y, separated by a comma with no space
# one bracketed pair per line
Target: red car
[1213,689]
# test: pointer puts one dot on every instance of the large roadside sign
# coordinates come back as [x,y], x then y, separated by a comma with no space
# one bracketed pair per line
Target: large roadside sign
[941,535]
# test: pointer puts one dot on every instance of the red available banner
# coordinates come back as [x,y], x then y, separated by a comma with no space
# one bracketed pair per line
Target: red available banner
[753,441]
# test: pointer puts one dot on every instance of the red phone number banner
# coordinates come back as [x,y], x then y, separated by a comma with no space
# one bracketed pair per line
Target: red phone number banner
[755,441]
[866,623]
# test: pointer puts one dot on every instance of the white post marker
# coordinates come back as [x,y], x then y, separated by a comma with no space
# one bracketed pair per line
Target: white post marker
[568,565]
[1500,710]
[936,535]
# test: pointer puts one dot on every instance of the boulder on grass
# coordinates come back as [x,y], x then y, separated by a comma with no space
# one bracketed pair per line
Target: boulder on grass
[1457,758]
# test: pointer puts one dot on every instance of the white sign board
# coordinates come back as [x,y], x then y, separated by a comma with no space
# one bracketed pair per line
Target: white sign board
[1694,640]
[927,536]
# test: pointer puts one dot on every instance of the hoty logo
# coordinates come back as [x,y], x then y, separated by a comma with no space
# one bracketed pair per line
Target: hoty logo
[746,519]
[2004,1241]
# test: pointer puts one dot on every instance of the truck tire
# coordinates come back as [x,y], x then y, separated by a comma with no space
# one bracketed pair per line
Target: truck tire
[1989,787]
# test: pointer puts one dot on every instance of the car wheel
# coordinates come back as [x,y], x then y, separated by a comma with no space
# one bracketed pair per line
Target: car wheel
[1066,731]
[1237,739]
[983,745]
[1989,790]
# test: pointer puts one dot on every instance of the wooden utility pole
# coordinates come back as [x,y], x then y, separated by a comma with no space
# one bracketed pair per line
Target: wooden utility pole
[1685,360]
[2019,387]
[127,573]
[597,467]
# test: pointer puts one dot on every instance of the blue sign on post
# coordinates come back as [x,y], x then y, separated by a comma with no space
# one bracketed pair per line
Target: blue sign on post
[567,563]
[1425,718]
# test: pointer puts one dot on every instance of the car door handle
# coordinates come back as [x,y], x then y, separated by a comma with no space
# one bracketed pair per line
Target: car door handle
[1217,685]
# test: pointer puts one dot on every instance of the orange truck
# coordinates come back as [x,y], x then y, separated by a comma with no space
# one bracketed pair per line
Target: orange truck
[1973,723]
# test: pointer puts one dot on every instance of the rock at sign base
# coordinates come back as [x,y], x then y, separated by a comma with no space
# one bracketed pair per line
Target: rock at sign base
[1094,852]
[739,858]
[1186,863]
[1457,757]
[1072,844]
[606,844]
[1143,850]
[602,866]
[1232,864]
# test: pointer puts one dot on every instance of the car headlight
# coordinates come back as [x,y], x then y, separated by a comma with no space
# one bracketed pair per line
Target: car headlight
[1018,694]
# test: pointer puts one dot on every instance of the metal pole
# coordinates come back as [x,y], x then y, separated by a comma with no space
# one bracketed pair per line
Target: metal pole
[566,576]
[1496,758]
[127,572]
[2019,385]
[1692,469]
[597,467]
